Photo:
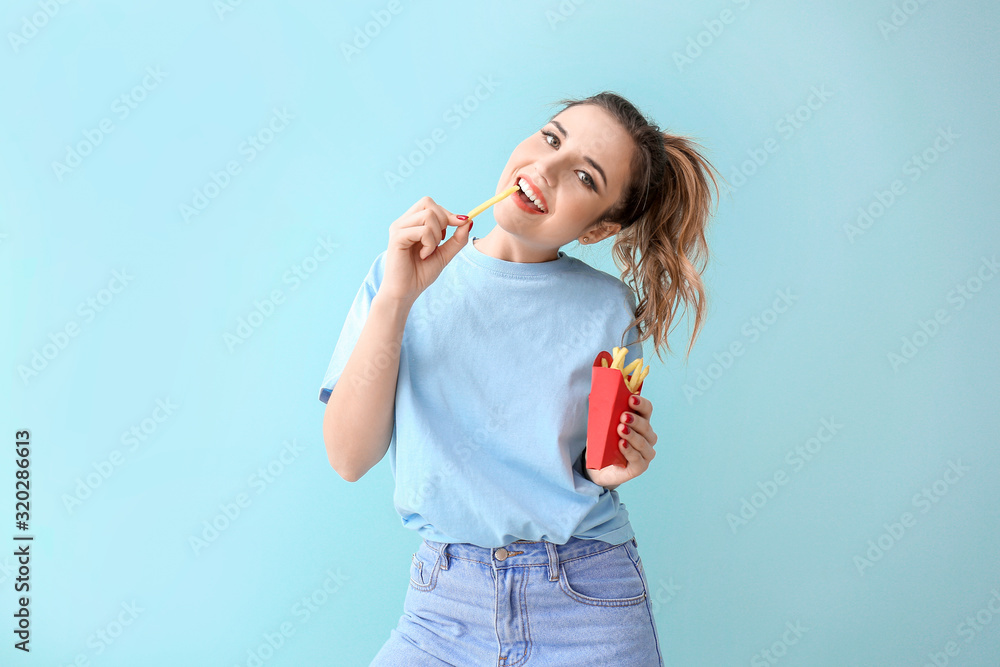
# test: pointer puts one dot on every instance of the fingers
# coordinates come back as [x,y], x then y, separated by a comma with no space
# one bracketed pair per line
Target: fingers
[429,239]
[638,455]
[422,204]
[639,424]
[640,405]
[640,437]
[447,251]
[426,212]
[419,235]
[434,219]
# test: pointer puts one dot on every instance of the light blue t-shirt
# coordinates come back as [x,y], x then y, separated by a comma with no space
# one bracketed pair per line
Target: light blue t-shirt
[491,399]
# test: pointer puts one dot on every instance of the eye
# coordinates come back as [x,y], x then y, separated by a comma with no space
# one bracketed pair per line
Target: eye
[588,180]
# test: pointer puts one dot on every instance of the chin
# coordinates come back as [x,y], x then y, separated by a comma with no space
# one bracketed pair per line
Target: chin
[506,220]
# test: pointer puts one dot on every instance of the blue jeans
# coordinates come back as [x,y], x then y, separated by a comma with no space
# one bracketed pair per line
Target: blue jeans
[534,604]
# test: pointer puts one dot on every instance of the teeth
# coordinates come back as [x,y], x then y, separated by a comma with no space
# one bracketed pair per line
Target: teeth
[526,189]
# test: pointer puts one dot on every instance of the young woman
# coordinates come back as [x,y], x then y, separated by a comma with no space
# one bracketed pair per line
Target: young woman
[470,363]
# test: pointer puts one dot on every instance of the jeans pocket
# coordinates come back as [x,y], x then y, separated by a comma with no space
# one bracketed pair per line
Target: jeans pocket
[424,568]
[611,578]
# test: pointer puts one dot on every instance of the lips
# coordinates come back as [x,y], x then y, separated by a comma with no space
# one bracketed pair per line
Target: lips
[535,189]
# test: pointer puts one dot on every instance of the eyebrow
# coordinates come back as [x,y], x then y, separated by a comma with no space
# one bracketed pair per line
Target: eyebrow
[595,165]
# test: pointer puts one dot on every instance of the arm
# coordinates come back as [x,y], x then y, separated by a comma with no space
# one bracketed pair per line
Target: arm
[359,416]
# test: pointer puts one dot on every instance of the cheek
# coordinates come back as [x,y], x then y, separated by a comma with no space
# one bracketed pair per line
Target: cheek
[576,207]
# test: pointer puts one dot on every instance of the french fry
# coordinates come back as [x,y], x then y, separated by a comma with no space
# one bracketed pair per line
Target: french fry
[618,355]
[633,374]
[633,382]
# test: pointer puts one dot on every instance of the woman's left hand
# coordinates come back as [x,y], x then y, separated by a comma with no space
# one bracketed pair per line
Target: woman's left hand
[635,443]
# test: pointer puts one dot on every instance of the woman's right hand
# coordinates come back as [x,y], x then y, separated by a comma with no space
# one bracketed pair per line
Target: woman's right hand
[414,259]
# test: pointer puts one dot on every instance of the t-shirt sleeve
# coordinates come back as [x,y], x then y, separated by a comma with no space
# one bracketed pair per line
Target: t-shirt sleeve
[353,324]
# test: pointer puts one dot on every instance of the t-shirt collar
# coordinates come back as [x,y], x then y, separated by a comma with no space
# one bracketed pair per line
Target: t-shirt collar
[502,266]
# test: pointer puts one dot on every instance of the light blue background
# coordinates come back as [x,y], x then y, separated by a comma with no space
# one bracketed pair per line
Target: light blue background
[722,595]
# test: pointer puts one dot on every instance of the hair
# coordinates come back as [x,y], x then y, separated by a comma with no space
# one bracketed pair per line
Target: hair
[663,212]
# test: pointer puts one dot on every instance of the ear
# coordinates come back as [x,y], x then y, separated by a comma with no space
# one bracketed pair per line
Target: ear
[600,232]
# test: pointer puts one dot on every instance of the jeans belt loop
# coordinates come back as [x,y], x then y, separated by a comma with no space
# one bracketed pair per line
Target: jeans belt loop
[553,561]
[444,555]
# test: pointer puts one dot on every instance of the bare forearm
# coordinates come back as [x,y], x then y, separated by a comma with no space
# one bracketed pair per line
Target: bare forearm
[358,421]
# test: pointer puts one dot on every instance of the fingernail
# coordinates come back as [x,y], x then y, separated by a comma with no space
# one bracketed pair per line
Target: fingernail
[462,217]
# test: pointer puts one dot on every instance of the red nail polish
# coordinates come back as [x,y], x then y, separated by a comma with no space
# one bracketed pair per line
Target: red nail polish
[462,217]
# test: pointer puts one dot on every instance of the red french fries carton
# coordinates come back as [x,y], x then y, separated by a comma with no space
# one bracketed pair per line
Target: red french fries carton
[608,399]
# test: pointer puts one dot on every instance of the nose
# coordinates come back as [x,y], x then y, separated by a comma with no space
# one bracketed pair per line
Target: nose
[542,175]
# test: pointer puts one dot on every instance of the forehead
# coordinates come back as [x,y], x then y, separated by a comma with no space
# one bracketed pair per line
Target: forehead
[596,134]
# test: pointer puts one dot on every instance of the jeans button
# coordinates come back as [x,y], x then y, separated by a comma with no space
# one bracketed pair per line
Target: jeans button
[500,554]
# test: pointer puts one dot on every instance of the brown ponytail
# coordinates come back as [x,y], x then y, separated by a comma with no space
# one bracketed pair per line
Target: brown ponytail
[663,213]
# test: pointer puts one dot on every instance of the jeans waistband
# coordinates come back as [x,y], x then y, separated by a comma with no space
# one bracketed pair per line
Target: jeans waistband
[524,553]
